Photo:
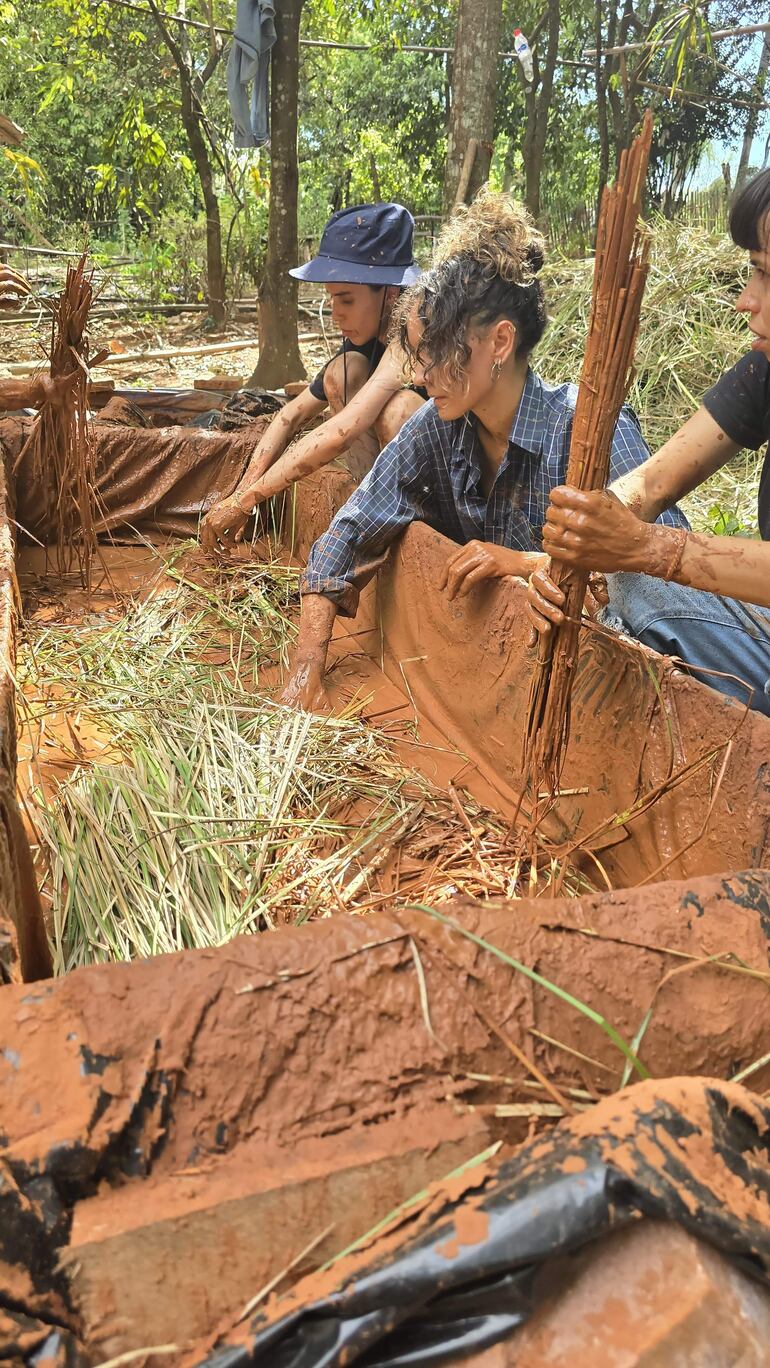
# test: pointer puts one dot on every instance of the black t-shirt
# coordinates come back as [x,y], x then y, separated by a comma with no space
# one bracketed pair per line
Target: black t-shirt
[374,350]
[740,404]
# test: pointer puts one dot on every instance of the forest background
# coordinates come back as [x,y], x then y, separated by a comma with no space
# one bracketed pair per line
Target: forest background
[129,138]
[128,128]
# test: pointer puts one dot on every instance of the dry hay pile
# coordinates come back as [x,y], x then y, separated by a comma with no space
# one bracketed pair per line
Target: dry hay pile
[689,335]
[215,811]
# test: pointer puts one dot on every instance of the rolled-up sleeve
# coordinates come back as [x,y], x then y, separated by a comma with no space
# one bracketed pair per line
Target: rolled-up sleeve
[629,450]
[391,497]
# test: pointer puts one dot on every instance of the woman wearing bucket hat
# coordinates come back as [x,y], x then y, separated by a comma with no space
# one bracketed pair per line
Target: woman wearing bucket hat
[365,260]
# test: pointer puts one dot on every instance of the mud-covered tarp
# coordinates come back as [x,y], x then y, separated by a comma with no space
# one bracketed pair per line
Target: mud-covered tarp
[115,1079]
[466,1267]
[156,482]
[663,777]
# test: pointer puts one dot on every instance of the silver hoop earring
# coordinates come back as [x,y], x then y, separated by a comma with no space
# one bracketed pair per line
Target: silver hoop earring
[497,366]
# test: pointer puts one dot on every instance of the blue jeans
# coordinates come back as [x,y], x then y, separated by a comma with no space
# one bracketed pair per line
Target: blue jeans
[704,630]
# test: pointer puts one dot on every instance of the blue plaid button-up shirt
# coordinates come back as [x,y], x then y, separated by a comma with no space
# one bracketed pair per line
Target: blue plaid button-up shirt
[431,472]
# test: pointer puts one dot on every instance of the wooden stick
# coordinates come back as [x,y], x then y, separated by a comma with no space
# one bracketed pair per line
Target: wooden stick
[160,354]
[60,443]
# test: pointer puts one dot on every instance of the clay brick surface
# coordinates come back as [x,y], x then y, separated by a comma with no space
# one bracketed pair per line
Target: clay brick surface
[650,1296]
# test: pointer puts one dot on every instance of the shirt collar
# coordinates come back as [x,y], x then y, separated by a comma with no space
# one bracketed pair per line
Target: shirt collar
[530,421]
[528,430]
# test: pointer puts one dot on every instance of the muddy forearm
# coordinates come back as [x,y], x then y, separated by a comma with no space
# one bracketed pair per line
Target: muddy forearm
[270,448]
[307,455]
[731,566]
[695,452]
[632,490]
[316,627]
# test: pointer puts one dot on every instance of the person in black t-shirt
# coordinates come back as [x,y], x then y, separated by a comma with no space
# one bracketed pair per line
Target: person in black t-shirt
[658,574]
[365,260]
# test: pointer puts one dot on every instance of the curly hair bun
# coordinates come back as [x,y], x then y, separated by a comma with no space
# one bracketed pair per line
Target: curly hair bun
[497,232]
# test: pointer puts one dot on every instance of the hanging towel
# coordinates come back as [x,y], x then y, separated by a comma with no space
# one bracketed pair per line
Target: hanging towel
[248,66]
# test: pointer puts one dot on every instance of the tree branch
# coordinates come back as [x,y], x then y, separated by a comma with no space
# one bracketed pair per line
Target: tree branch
[212,63]
[171,43]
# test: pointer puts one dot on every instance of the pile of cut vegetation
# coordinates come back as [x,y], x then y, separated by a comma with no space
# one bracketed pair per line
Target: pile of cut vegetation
[213,810]
[689,335]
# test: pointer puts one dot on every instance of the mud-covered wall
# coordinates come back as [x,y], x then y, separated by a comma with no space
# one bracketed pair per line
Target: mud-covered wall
[142,1065]
[147,480]
[24,948]
[639,728]
[151,1109]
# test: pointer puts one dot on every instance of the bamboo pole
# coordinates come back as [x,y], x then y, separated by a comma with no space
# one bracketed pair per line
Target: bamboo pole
[620,273]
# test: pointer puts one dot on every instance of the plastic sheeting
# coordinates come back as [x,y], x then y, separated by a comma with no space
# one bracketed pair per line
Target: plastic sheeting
[152,482]
[464,1274]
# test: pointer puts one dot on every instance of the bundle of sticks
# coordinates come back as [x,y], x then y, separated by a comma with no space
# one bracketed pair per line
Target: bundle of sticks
[60,445]
[620,273]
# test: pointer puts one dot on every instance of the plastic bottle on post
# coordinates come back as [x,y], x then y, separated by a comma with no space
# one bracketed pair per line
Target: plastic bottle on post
[524,53]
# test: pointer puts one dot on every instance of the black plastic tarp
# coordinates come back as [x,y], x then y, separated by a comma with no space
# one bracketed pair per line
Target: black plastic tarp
[689,1151]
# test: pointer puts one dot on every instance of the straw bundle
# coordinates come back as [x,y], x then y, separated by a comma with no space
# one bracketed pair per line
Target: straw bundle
[619,277]
[60,442]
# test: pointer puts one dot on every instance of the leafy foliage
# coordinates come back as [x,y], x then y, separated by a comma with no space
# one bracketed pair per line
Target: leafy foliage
[99,96]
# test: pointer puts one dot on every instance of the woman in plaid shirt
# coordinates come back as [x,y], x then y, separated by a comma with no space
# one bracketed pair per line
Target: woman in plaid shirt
[479,460]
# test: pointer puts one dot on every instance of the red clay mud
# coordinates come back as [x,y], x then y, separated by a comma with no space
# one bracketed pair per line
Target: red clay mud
[123,1085]
[200,1051]
[646,1297]
[279,1054]
[595,1304]
[637,725]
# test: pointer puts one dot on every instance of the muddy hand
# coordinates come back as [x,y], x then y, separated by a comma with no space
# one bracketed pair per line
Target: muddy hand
[305,690]
[470,565]
[592,529]
[223,526]
[544,603]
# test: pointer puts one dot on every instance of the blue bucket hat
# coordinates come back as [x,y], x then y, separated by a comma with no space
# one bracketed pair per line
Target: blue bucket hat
[368,244]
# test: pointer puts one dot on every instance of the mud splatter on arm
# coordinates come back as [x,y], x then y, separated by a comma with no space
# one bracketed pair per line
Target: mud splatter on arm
[698,449]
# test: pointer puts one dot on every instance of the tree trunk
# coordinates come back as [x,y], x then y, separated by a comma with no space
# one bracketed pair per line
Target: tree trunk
[753,116]
[474,87]
[215,273]
[279,355]
[538,104]
[193,116]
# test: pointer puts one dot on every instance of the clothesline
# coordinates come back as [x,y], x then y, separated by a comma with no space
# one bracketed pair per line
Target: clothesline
[448,51]
[304,42]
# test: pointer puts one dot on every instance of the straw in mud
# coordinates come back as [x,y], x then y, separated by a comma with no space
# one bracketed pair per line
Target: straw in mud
[60,442]
[209,810]
[620,273]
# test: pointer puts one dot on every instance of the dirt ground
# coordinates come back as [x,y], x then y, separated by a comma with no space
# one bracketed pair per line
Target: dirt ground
[26,341]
